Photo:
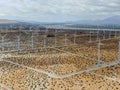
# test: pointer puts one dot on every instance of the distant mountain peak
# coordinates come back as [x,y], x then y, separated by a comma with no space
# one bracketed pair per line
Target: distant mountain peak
[109,20]
[117,17]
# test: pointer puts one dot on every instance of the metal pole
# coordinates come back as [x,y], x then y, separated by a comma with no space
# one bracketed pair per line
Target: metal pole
[90,37]
[99,53]
[75,38]
[65,40]
[32,41]
[119,53]
[97,35]
[11,28]
[18,42]
[109,34]
[3,49]
[115,34]
[44,41]
[30,28]
[55,40]
[104,36]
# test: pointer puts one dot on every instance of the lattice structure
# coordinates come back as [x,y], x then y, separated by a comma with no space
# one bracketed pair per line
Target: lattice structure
[30,41]
[58,53]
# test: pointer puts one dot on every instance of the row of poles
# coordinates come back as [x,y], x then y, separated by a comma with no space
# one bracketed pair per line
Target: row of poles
[33,41]
[65,42]
[55,45]
[55,40]
[104,35]
[99,46]
[99,43]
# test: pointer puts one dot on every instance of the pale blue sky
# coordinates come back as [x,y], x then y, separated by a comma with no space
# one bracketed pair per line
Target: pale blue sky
[58,10]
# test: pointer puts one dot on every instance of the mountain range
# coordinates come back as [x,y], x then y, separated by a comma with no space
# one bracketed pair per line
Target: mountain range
[111,20]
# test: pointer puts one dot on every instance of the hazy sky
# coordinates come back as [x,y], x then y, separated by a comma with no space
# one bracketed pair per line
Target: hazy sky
[58,10]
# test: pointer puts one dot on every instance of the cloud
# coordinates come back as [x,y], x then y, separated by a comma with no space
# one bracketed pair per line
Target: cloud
[58,10]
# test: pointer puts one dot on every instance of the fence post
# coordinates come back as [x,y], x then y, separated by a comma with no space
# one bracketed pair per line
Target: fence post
[55,40]
[44,42]
[119,52]
[32,41]
[104,36]
[109,34]
[115,34]
[97,35]
[90,37]
[3,48]
[65,44]
[18,42]
[75,38]
[99,53]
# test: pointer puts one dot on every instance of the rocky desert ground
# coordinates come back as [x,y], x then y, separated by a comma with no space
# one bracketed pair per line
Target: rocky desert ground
[66,67]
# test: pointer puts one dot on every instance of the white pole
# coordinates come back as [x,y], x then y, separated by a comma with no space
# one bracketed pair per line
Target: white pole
[18,42]
[32,41]
[115,34]
[55,40]
[119,53]
[104,36]
[75,38]
[0,28]
[3,40]
[109,34]
[65,40]
[99,53]
[97,35]
[44,41]
[30,28]
[90,37]
[3,49]
[11,28]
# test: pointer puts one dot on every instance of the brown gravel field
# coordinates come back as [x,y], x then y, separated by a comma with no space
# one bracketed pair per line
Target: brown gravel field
[49,68]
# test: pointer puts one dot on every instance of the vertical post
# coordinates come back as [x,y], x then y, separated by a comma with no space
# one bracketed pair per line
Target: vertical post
[90,37]
[65,44]
[3,49]
[11,28]
[99,53]
[44,42]
[55,40]
[46,31]
[30,28]
[3,42]
[32,41]
[97,35]
[18,42]
[75,38]
[104,36]
[109,34]
[115,34]
[119,52]
[0,28]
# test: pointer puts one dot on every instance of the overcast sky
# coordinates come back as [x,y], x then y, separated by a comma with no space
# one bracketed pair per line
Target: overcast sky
[58,10]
